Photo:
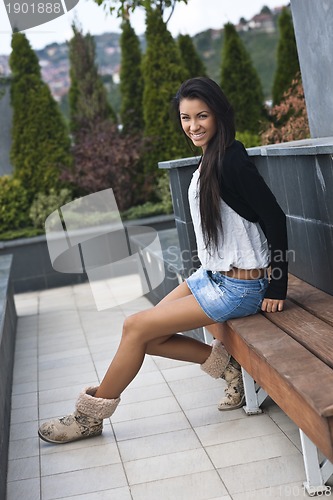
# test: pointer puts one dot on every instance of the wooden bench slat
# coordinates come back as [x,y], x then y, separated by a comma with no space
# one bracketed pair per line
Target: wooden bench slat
[310,331]
[311,299]
[288,372]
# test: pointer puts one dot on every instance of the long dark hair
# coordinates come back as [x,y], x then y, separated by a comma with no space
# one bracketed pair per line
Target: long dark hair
[208,91]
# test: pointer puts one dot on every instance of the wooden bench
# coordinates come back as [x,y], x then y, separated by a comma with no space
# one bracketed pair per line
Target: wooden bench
[289,356]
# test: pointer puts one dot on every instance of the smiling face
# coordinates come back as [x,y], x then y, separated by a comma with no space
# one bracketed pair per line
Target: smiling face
[198,121]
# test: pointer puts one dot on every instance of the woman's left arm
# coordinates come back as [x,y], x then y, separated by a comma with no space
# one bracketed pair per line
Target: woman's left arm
[254,190]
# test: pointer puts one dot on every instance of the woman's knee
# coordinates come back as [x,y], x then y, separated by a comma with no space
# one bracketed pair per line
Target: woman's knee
[133,327]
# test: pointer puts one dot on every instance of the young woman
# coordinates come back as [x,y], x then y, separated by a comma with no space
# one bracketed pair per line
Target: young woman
[240,231]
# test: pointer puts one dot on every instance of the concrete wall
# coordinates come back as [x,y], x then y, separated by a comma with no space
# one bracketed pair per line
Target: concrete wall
[8,320]
[313,23]
[300,174]
[5,128]
[32,269]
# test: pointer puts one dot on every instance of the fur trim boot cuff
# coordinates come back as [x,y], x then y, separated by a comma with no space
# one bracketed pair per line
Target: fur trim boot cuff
[86,421]
[97,408]
[217,361]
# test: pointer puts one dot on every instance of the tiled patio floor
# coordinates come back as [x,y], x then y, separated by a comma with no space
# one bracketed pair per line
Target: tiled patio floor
[167,440]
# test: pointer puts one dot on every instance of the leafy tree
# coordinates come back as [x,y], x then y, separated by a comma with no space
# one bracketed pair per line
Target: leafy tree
[162,75]
[88,100]
[23,60]
[124,6]
[240,82]
[287,57]
[289,120]
[190,57]
[131,83]
[40,142]
[103,159]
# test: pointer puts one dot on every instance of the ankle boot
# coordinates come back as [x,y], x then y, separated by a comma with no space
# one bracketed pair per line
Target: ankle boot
[234,392]
[217,361]
[86,421]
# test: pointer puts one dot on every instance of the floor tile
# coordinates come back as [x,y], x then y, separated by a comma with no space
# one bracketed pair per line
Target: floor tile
[27,489]
[195,383]
[200,486]
[200,398]
[144,379]
[190,371]
[151,392]
[23,448]
[23,468]
[79,459]
[60,394]
[77,378]
[165,363]
[19,431]
[250,450]
[235,430]
[160,444]
[114,494]
[24,400]
[150,426]
[24,388]
[210,414]
[83,481]
[160,406]
[21,415]
[263,474]
[167,466]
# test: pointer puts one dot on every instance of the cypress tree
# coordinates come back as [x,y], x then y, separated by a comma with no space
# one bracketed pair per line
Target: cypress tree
[190,57]
[162,76]
[287,57]
[131,83]
[241,83]
[40,141]
[88,102]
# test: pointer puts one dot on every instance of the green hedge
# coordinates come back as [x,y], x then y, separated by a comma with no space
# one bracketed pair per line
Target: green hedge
[14,204]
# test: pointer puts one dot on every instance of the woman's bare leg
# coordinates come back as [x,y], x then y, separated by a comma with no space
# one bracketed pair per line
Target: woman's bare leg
[154,332]
[177,346]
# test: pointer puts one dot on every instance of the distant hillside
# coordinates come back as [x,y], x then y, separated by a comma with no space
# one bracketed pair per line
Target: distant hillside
[259,34]
[260,41]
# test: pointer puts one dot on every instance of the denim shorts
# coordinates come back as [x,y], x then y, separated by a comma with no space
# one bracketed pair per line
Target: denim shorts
[223,298]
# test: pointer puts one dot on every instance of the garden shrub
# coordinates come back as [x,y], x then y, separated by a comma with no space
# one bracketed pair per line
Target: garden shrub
[46,203]
[249,139]
[14,204]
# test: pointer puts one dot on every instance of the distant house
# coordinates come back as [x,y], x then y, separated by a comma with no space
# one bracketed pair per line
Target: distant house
[263,22]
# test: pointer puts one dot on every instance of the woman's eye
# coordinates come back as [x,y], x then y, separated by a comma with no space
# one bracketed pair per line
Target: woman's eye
[203,117]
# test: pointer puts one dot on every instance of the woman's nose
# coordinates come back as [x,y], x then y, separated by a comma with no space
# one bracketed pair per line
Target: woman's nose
[194,125]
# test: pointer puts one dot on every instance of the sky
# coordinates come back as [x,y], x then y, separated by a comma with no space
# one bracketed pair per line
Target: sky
[196,16]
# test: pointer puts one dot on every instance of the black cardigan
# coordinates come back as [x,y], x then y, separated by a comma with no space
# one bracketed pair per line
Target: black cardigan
[245,191]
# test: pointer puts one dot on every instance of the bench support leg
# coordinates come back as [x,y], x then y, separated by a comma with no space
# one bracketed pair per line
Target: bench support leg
[254,396]
[316,473]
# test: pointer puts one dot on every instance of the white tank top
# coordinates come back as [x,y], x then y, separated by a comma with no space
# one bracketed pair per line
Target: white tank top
[242,243]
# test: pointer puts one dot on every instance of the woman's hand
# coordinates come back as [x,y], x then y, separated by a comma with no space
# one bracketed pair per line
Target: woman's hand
[272,305]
